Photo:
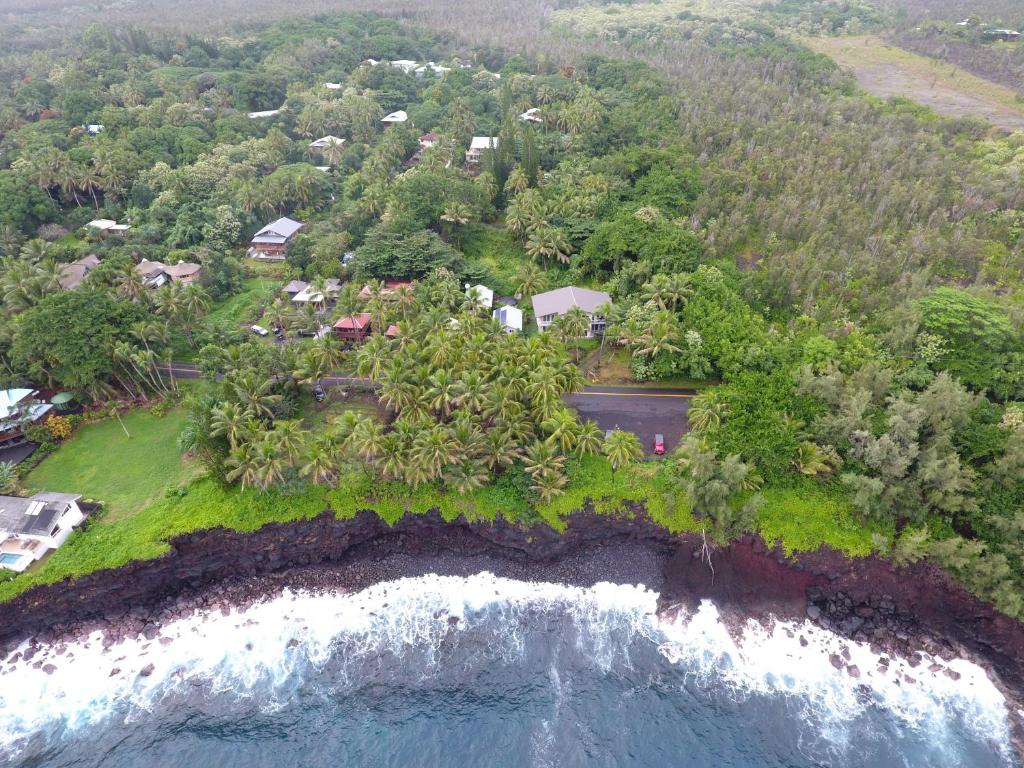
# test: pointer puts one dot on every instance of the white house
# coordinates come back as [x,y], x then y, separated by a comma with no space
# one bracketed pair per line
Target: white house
[478,145]
[271,242]
[437,69]
[531,115]
[332,86]
[406,65]
[481,294]
[108,226]
[325,142]
[395,118]
[550,305]
[264,113]
[309,294]
[509,318]
[29,528]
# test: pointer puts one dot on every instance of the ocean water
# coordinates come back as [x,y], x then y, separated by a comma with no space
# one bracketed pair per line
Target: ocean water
[484,671]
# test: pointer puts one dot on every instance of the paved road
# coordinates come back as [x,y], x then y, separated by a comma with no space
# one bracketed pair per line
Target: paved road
[645,412]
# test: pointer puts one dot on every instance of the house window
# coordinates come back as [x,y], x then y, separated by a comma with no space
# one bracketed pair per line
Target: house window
[55,531]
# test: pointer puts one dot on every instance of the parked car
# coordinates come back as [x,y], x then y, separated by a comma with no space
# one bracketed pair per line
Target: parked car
[306,333]
[259,330]
[659,445]
[319,394]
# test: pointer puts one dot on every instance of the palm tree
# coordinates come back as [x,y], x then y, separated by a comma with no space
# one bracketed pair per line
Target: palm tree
[253,393]
[589,439]
[668,291]
[434,449]
[242,465]
[530,279]
[622,448]
[662,329]
[288,438]
[563,428]
[321,461]
[466,476]
[230,420]
[441,392]
[548,243]
[573,326]
[499,449]
[367,440]
[130,285]
[707,411]
[517,181]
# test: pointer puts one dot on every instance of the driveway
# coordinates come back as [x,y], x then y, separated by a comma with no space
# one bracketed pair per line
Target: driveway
[644,412]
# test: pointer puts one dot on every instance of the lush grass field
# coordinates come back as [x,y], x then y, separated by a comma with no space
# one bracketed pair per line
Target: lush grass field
[245,307]
[101,463]
[804,517]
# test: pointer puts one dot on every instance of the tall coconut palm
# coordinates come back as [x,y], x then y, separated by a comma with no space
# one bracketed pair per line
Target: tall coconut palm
[622,448]
[530,279]
[230,420]
[660,334]
[589,439]
[562,428]
[707,411]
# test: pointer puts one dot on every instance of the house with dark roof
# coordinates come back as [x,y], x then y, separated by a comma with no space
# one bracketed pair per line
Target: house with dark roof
[271,242]
[550,305]
[31,527]
[72,275]
[156,274]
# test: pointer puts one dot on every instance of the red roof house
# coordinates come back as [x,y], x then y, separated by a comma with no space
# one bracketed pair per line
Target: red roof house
[354,328]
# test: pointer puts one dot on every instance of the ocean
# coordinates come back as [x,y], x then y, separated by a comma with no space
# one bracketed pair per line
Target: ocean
[488,671]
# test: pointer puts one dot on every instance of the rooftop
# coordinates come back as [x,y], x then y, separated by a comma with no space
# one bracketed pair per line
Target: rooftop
[33,516]
[560,300]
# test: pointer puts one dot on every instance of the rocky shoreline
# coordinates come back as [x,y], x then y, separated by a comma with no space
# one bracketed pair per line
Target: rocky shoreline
[909,613]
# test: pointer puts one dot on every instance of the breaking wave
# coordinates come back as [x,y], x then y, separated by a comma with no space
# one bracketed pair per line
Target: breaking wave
[552,669]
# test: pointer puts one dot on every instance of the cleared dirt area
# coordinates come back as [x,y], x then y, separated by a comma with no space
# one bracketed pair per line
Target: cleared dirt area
[887,71]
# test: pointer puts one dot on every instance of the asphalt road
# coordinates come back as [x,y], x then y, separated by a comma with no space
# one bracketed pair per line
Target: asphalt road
[644,412]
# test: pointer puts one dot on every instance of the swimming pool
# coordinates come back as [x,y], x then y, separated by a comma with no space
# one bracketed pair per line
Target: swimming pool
[7,559]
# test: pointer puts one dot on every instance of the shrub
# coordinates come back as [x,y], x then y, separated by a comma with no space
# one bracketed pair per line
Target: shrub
[59,427]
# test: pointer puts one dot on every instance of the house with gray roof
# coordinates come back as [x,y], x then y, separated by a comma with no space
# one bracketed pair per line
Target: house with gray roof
[550,305]
[31,527]
[271,242]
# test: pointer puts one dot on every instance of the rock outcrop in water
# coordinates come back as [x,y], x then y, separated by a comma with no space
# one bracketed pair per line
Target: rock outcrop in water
[868,599]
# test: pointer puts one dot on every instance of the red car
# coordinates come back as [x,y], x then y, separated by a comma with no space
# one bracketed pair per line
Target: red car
[659,445]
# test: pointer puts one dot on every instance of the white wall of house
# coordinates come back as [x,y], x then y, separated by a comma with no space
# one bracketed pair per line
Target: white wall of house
[32,547]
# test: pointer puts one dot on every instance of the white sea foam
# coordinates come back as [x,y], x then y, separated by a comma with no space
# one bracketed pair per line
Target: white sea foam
[267,649]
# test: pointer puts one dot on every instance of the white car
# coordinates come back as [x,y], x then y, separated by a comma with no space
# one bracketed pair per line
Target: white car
[259,330]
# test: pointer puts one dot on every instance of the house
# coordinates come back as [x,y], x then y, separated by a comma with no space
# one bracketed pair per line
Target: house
[406,65]
[346,257]
[531,115]
[295,287]
[71,275]
[427,140]
[18,409]
[108,227]
[271,242]
[395,118]
[1005,35]
[369,62]
[93,129]
[332,86]
[326,142]
[390,287]
[264,113]
[29,528]
[354,328]
[509,318]
[550,305]
[481,294]
[156,274]
[309,295]
[184,272]
[437,69]
[392,332]
[478,145]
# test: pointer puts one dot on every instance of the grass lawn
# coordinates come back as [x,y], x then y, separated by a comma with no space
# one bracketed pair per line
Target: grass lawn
[245,307]
[100,462]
